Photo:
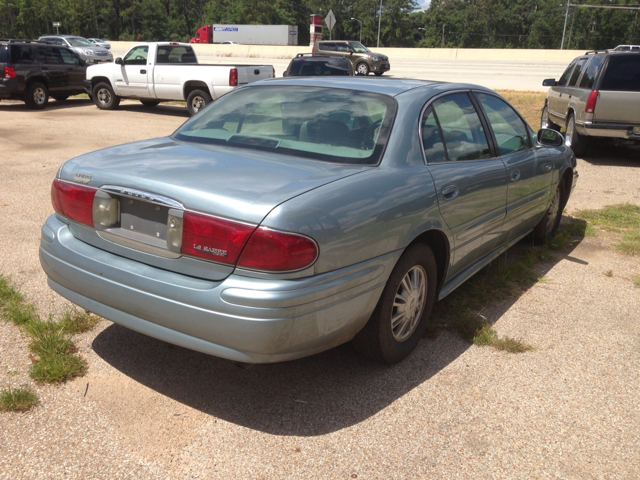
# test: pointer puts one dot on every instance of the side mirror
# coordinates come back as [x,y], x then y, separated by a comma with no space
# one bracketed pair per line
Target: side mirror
[549,82]
[119,61]
[550,138]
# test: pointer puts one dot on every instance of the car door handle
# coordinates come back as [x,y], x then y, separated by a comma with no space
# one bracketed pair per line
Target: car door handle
[143,71]
[515,175]
[450,192]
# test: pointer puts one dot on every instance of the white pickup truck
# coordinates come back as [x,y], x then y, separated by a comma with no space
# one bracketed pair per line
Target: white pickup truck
[160,71]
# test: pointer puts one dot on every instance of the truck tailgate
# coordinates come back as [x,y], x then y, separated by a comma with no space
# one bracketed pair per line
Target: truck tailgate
[253,73]
[617,107]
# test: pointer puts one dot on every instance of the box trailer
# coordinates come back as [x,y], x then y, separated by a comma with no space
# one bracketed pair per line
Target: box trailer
[248,34]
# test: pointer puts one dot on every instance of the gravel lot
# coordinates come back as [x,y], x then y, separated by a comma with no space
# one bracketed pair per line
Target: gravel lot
[147,409]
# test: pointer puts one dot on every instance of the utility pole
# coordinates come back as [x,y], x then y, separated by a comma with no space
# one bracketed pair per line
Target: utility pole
[573,18]
[379,21]
[566,15]
[443,25]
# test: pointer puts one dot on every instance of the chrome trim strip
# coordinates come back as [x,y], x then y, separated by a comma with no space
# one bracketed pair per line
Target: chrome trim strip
[135,245]
[142,195]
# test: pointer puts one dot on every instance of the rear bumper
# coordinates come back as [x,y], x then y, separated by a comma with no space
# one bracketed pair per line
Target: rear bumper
[9,88]
[240,318]
[629,131]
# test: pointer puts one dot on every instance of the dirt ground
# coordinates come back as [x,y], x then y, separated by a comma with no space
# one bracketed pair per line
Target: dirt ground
[147,409]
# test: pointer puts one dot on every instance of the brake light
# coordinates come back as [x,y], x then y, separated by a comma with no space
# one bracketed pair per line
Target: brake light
[276,251]
[9,72]
[274,72]
[591,102]
[214,238]
[313,48]
[73,201]
[233,77]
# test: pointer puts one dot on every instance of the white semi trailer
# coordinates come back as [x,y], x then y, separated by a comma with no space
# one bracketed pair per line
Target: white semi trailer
[248,34]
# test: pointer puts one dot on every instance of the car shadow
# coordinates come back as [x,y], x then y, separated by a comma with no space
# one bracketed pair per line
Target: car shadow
[17,106]
[161,109]
[311,396]
[604,152]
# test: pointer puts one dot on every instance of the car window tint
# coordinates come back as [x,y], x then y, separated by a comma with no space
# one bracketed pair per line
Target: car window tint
[68,58]
[59,41]
[343,47]
[137,56]
[175,54]
[49,55]
[328,46]
[329,124]
[4,56]
[509,129]
[590,74]
[22,55]
[432,138]
[307,68]
[622,73]
[464,136]
[567,73]
[576,72]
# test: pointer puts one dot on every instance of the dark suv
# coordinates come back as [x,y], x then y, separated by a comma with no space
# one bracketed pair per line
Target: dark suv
[312,65]
[362,59]
[34,71]
[598,95]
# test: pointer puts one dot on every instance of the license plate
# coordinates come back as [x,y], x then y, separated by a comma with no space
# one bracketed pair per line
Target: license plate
[143,218]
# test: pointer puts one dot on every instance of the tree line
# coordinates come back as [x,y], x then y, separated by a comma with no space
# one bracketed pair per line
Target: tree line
[445,23]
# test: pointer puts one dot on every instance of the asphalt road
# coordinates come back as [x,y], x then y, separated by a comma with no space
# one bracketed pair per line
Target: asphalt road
[146,409]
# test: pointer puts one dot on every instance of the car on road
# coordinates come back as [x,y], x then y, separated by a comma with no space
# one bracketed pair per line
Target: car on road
[362,59]
[229,42]
[100,43]
[86,50]
[598,95]
[311,65]
[154,72]
[297,214]
[33,72]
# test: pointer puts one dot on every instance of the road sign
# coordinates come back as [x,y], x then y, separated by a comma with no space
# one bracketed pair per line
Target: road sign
[56,24]
[330,20]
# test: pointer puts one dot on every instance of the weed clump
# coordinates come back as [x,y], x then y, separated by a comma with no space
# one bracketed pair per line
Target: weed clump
[17,399]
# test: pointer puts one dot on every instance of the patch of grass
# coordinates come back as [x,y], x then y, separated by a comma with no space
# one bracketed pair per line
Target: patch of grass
[507,276]
[622,218]
[17,399]
[636,281]
[529,104]
[609,273]
[51,341]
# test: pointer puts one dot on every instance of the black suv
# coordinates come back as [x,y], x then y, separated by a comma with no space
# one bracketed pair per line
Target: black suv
[33,71]
[311,65]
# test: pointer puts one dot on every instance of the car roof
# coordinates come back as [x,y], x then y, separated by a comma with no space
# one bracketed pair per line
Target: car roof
[385,86]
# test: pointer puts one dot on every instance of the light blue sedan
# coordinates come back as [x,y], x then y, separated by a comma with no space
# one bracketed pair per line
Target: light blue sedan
[294,215]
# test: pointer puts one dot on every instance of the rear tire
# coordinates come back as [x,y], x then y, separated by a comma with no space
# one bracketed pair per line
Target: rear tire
[150,103]
[547,228]
[401,315]
[104,97]
[578,143]
[197,100]
[544,120]
[36,96]
[362,69]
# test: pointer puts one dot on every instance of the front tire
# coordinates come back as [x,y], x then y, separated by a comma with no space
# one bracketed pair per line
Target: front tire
[544,120]
[104,97]
[547,228]
[36,96]
[578,143]
[362,69]
[401,315]
[197,100]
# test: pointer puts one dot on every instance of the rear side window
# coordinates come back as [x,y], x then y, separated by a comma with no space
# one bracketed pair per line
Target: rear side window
[22,55]
[432,139]
[318,67]
[622,73]
[576,72]
[590,75]
[328,46]
[49,55]
[4,56]
[175,54]
[564,79]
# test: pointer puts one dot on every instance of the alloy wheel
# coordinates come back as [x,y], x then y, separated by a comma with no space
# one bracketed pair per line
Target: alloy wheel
[197,103]
[104,96]
[39,96]
[409,303]
[569,133]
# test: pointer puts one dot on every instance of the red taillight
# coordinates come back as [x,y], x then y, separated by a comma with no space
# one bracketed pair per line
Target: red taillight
[233,77]
[214,238]
[9,72]
[276,251]
[73,201]
[274,72]
[591,102]
[313,49]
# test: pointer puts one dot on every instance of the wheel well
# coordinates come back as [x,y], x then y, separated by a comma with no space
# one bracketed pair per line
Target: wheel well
[567,178]
[97,80]
[191,86]
[38,79]
[437,241]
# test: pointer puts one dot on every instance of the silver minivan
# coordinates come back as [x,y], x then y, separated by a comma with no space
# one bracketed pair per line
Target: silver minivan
[84,48]
[598,95]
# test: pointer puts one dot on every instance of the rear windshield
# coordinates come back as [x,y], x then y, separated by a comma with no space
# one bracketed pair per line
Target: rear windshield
[327,124]
[316,67]
[4,58]
[622,73]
